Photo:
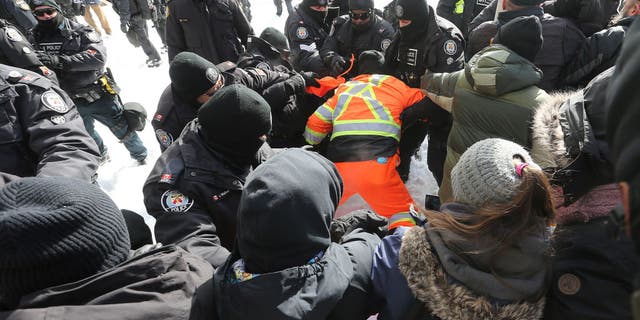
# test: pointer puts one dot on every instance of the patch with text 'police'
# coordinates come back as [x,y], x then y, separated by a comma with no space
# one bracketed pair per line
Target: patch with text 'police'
[164,138]
[175,201]
[13,35]
[302,33]
[51,47]
[412,57]
[58,119]
[52,100]
[450,47]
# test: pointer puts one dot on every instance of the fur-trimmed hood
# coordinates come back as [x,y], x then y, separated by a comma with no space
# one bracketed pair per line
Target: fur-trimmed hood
[548,148]
[446,300]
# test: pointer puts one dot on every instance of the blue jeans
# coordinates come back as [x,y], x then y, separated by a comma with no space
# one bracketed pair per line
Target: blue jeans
[108,111]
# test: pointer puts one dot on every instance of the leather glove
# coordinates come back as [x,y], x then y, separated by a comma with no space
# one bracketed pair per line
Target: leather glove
[124,27]
[414,113]
[367,220]
[278,4]
[310,79]
[338,65]
[50,60]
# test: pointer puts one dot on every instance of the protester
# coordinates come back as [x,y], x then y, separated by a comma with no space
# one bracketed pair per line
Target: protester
[495,96]
[483,256]
[277,271]
[65,252]
[196,183]
[94,5]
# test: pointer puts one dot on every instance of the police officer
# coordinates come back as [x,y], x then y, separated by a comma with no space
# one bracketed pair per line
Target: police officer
[16,51]
[195,186]
[424,41]
[133,22]
[41,133]
[19,14]
[306,30]
[75,52]
[353,34]
[193,81]
[461,12]
[217,30]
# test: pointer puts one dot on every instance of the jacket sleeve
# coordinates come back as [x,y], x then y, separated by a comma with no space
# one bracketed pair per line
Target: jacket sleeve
[487,14]
[64,147]
[124,10]
[304,50]
[329,48]
[441,88]
[279,94]
[447,10]
[389,285]
[240,23]
[259,79]
[92,57]
[14,50]
[320,123]
[174,33]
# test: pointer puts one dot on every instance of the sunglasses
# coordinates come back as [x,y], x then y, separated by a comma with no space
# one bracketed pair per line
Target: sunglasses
[360,16]
[42,12]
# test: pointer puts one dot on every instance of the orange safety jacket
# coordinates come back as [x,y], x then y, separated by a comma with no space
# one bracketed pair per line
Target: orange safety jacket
[367,106]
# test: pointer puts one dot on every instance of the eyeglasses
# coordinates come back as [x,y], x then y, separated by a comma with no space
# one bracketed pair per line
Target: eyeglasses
[42,12]
[360,16]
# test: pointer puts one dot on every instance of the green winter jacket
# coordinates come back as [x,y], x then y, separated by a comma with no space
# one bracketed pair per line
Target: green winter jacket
[493,97]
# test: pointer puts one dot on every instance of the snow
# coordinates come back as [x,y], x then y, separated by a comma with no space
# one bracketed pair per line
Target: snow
[122,178]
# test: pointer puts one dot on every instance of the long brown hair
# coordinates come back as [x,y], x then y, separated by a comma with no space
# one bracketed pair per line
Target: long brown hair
[506,222]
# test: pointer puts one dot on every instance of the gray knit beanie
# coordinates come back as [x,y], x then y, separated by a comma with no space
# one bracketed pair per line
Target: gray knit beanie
[55,231]
[485,172]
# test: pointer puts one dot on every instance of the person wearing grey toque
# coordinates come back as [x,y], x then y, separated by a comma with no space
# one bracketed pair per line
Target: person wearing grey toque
[483,256]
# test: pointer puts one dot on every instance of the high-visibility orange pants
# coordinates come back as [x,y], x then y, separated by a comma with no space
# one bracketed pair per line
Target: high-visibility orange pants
[379,184]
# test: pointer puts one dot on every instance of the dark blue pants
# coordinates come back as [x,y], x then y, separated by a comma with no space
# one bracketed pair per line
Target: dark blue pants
[108,111]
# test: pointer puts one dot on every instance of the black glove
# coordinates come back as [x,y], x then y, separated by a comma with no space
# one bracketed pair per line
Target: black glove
[310,79]
[364,219]
[278,4]
[338,64]
[124,27]
[427,111]
[50,60]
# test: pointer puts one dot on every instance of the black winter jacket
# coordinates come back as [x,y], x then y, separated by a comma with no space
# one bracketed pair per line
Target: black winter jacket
[214,29]
[81,53]
[449,10]
[306,37]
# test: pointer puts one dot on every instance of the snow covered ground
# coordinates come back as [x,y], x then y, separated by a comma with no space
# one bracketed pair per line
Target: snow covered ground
[122,177]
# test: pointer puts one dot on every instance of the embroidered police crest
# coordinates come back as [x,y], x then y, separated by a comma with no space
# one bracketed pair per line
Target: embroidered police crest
[175,201]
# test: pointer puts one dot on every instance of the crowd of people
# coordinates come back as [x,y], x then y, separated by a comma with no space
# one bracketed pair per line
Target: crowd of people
[530,110]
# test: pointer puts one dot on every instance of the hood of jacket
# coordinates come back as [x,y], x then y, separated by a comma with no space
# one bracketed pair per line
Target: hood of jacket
[448,298]
[496,71]
[303,292]
[159,284]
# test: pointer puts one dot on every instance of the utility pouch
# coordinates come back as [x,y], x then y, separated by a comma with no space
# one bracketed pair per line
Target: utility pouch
[108,84]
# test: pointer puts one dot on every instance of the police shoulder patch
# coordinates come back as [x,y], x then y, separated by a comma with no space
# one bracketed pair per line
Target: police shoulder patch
[164,138]
[14,35]
[385,44]
[450,47]
[93,36]
[23,5]
[302,33]
[175,201]
[58,119]
[52,100]
[26,50]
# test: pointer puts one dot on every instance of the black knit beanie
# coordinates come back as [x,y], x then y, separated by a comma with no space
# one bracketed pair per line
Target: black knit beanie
[523,35]
[526,3]
[55,231]
[139,232]
[233,120]
[361,4]
[415,10]
[309,3]
[371,62]
[50,3]
[192,75]
[275,38]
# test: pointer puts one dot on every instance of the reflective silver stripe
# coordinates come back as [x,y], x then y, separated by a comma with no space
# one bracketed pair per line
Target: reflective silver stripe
[400,216]
[377,79]
[325,113]
[379,109]
[366,126]
[344,97]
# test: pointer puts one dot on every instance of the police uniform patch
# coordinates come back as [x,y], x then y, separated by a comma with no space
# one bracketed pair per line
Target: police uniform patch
[450,47]
[385,44]
[302,33]
[449,60]
[58,119]
[164,138]
[52,100]
[175,201]
[26,50]
[569,284]
[93,36]
[263,65]
[13,35]
[399,11]
[412,57]
[23,5]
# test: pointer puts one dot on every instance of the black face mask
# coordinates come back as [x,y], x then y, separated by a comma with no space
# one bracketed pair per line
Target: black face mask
[51,24]
[363,26]
[318,16]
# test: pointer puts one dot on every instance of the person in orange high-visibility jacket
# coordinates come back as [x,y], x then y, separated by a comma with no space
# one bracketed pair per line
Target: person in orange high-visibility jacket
[364,120]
